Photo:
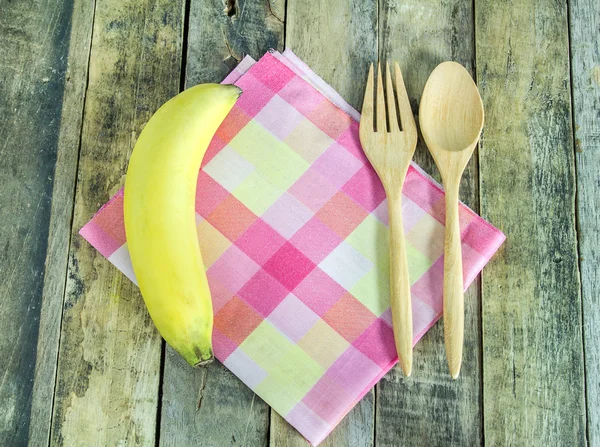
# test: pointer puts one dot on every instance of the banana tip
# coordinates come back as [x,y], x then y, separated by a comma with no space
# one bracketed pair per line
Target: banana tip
[239,90]
[205,362]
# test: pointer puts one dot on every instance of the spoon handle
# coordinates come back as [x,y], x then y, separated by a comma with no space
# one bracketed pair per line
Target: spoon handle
[400,285]
[454,314]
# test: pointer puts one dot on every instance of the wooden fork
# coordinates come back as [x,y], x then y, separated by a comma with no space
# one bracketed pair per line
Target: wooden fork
[390,150]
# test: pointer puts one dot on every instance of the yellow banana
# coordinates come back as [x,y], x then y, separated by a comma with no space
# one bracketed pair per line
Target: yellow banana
[159,206]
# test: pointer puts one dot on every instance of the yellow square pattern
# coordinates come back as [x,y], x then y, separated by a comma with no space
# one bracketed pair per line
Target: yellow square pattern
[212,243]
[373,290]
[324,353]
[266,346]
[275,160]
[418,263]
[371,239]
[308,141]
[289,367]
[257,193]
[273,393]
[427,236]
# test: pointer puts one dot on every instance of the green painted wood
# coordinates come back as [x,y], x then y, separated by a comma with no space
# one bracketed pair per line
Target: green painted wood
[34,38]
[430,408]
[533,386]
[60,221]
[338,40]
[109,355]
[585,68]
[212,407]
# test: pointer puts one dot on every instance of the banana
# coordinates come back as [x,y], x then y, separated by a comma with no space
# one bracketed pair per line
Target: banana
[160,224]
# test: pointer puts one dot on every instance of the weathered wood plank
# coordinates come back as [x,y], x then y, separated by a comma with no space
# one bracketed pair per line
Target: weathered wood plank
[109,356]
[338,40]
[34,41]
[355,430]
[61,215]
[220,36]
[430,408]
[209,407]
[217,39]
[585,68]
[532,343]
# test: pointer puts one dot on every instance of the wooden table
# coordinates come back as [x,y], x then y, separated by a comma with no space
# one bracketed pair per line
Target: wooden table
[80,361]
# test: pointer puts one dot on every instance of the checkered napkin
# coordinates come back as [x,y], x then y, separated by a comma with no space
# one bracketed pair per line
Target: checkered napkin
[292,223]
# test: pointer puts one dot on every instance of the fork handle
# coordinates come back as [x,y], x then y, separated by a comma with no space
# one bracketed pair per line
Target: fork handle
[400,285]
[454,312]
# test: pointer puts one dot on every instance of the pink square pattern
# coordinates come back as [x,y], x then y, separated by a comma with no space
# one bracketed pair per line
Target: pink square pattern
[287,215]
[337,165]
[313,190]
[233,269]
[289,266]
[260,241]
[327,398]
[319,291]
[279,117]
[292,266]
[377,343]
[256,95]
[365,188]
[316,240]
[263,292]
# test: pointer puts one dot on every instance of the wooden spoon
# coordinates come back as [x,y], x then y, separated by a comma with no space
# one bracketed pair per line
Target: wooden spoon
[451,119]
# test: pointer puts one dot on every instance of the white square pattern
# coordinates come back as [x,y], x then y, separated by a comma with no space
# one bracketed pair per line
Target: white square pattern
[346,265]
[228,168]
[287,215]
[121,260]
[245,368]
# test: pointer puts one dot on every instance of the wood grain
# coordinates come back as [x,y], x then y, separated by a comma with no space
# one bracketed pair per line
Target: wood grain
[430,408]
[355,430]
[209,407]
[338,40]
[585,68]
[34,38]
[217,40]
[61,215]
[532,352]
[109,356]
[108,372]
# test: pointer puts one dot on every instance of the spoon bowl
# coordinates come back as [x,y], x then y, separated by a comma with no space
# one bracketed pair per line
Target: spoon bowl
[451,111]
[451,120]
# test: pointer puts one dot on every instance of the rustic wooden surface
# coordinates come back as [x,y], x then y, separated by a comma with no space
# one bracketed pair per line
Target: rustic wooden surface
[80,361]
[437,31]
[61,214]
[34,39]
[585,69]
[109,354]
[533,377]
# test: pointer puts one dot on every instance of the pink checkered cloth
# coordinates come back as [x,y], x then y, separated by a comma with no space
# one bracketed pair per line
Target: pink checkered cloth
[292,222]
